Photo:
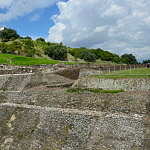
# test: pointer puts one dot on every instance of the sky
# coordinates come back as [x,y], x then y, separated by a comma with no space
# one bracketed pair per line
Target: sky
[120,26]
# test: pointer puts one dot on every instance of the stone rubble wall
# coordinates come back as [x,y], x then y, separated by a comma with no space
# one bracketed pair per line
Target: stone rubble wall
[8,69]
[130,84]
[126,102]
[72,73]
[33,127]
[84,68]
[18,82]
[85,72]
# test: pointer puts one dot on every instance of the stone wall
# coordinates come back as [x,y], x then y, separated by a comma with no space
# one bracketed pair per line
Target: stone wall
[85,72]
[71,73]
[40,128]
[126,102]
[18,82]
[129,84]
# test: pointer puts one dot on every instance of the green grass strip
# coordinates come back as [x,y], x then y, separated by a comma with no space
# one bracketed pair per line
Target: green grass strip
[134,73]
[24,61]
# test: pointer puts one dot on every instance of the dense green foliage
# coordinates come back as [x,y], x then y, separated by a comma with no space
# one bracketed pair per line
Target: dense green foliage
[128,59]
[31,48]
[12,43]
[99,54]
[146,61]
[56,51]
[8,34]
[88,56]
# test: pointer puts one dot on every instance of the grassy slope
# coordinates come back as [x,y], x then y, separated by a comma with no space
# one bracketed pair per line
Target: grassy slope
[26,61]
[20,60]
[134,73]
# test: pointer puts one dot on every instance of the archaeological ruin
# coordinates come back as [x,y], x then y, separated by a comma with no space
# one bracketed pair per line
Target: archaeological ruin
[38,113]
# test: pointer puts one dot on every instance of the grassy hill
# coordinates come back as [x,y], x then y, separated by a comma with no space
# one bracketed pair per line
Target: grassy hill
[25,61]
[12,43]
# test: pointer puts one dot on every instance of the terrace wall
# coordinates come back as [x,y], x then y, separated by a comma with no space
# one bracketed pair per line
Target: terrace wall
[18,82]
[127,84]
[126,102]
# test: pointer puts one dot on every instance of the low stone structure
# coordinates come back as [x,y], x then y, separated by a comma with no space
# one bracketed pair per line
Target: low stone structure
[19,82]
[127,84]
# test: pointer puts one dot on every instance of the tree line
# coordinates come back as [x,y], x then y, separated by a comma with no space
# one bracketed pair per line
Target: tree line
[12,43]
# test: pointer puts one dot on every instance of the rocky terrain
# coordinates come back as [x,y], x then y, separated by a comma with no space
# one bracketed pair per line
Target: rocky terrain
[37,112]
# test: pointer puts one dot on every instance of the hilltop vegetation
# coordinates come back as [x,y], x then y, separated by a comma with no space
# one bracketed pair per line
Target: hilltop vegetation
[12,43]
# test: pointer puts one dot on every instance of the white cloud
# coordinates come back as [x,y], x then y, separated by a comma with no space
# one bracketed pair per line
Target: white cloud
[117,25]
[16,8]
[5,3]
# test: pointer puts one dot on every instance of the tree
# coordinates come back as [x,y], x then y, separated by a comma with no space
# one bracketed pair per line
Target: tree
[56,51]
[88,56]
[8,34]
[40,39]
[128,59]
[99,54]
[146,61]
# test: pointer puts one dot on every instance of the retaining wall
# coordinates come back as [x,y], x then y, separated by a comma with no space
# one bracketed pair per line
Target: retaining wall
[130,84]
[18,82]
[126,102]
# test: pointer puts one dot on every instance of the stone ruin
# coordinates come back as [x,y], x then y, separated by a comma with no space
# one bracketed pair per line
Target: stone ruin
[37,113]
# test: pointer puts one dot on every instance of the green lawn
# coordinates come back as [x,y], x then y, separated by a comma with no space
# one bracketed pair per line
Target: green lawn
[24,61]
[134,73]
